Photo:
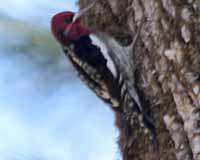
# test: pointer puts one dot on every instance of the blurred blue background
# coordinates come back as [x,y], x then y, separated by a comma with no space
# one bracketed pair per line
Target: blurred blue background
[46,112]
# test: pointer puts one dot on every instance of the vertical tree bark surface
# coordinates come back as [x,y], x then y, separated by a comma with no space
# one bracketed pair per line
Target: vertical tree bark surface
[167,70]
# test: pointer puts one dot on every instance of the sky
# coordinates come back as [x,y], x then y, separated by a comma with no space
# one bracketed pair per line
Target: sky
[54,119]
[26,9]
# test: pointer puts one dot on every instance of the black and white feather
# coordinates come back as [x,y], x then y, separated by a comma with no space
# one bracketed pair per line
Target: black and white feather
[106,68]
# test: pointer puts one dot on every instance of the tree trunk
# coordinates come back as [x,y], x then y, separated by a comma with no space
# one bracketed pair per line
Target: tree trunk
[168,71]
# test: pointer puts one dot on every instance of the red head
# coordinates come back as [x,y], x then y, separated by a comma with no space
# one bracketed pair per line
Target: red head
[66,28]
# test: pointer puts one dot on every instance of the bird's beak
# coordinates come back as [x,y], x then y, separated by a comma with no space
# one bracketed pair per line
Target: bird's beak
[79,14]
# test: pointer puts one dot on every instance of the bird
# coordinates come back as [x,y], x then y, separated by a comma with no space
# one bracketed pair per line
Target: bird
[103,64]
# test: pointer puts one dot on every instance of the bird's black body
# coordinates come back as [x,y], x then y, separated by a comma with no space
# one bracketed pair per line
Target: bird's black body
[91,55]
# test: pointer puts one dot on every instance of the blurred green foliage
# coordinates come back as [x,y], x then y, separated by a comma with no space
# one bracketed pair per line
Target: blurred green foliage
[34,42]
[23,37]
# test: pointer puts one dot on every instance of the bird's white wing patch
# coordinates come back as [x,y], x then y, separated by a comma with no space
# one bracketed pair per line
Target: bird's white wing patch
[110,64]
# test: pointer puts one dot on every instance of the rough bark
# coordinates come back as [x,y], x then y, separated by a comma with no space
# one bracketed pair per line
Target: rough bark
[168,71]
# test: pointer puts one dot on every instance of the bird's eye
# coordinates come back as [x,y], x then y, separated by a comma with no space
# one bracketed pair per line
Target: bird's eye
[61,31]
[68,19]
